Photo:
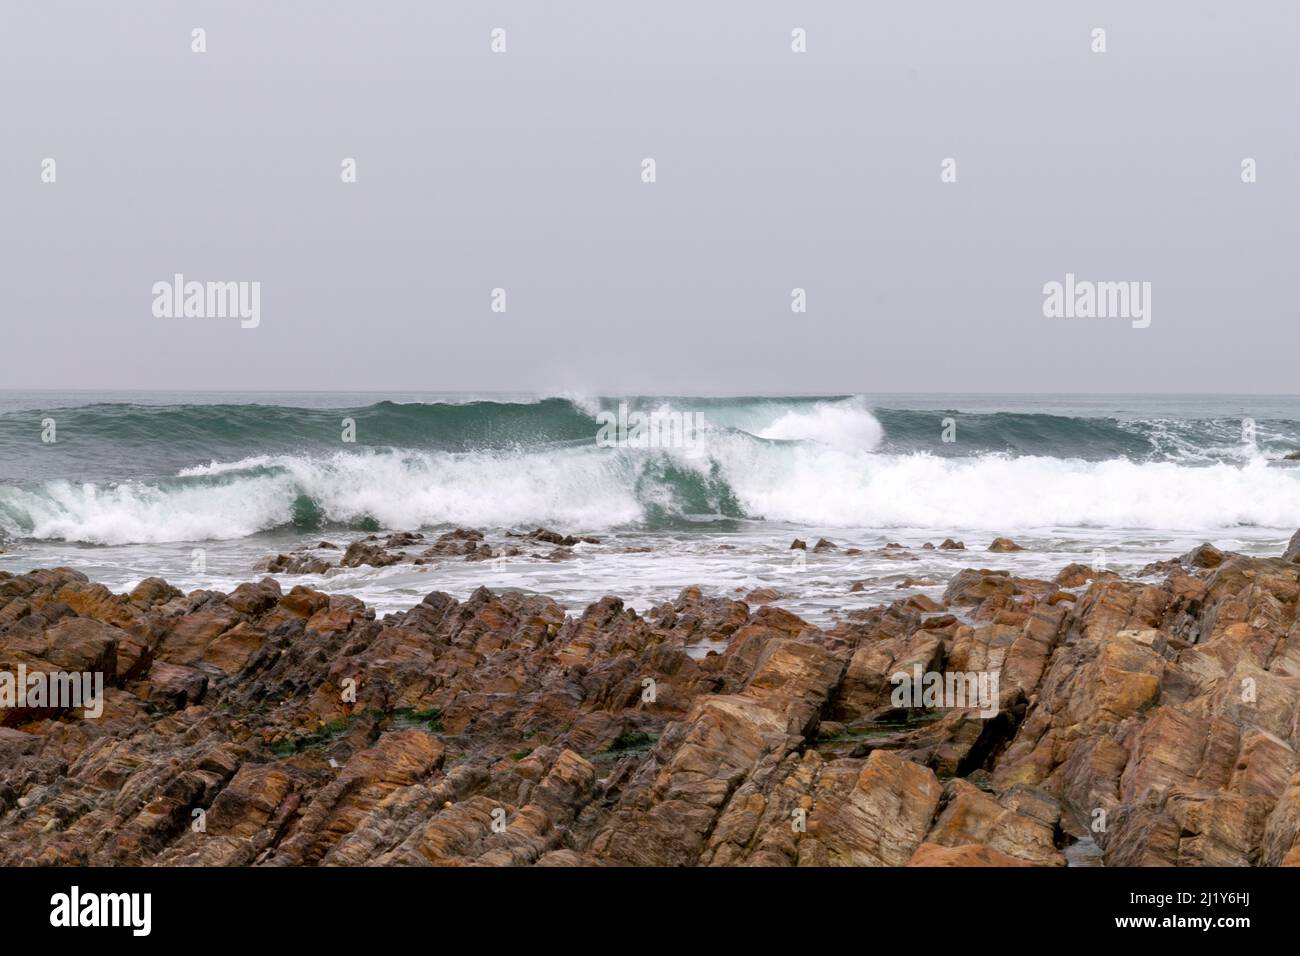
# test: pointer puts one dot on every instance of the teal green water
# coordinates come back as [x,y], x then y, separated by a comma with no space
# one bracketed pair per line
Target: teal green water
[135,484]
[229,465]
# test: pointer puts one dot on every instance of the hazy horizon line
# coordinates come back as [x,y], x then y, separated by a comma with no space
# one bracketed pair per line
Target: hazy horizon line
[567,393]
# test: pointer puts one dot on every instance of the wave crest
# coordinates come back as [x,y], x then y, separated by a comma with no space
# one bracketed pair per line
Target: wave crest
[586,488]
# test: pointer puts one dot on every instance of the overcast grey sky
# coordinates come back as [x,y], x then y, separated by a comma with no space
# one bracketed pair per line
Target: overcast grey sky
[775,170]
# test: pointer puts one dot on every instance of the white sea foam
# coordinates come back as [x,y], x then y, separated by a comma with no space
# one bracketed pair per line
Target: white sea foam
[140,512]
[816,466]
[829,487]
[573,488]
[845,424]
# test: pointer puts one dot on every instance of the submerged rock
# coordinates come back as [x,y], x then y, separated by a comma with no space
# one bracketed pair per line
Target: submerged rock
[299,563]
[547,536]
[1004,545]
[365,552]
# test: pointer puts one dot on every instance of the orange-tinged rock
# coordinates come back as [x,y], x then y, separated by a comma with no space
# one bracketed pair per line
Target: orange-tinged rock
[970,854]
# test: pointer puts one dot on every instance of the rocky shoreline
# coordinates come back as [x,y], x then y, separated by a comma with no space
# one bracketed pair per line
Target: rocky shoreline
[1137,722]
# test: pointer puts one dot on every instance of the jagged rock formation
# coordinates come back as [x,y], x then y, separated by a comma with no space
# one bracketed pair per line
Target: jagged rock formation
[1156,720]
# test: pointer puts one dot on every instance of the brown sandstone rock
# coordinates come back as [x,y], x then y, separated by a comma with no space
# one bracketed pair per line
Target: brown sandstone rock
[1292,552]
[1165,708]
[971,854]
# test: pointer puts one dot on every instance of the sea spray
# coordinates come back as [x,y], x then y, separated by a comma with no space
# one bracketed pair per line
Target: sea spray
[228,471]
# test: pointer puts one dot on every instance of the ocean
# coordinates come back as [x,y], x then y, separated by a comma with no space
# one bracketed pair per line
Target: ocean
[128,485]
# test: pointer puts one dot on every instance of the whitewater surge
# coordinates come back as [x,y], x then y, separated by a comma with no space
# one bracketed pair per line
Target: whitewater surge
[386,489]
[829,463]
[828,487]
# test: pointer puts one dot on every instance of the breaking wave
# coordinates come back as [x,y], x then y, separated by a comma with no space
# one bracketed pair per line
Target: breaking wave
[829,462]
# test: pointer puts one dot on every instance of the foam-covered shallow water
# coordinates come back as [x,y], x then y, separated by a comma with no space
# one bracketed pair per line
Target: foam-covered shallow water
[647,568]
